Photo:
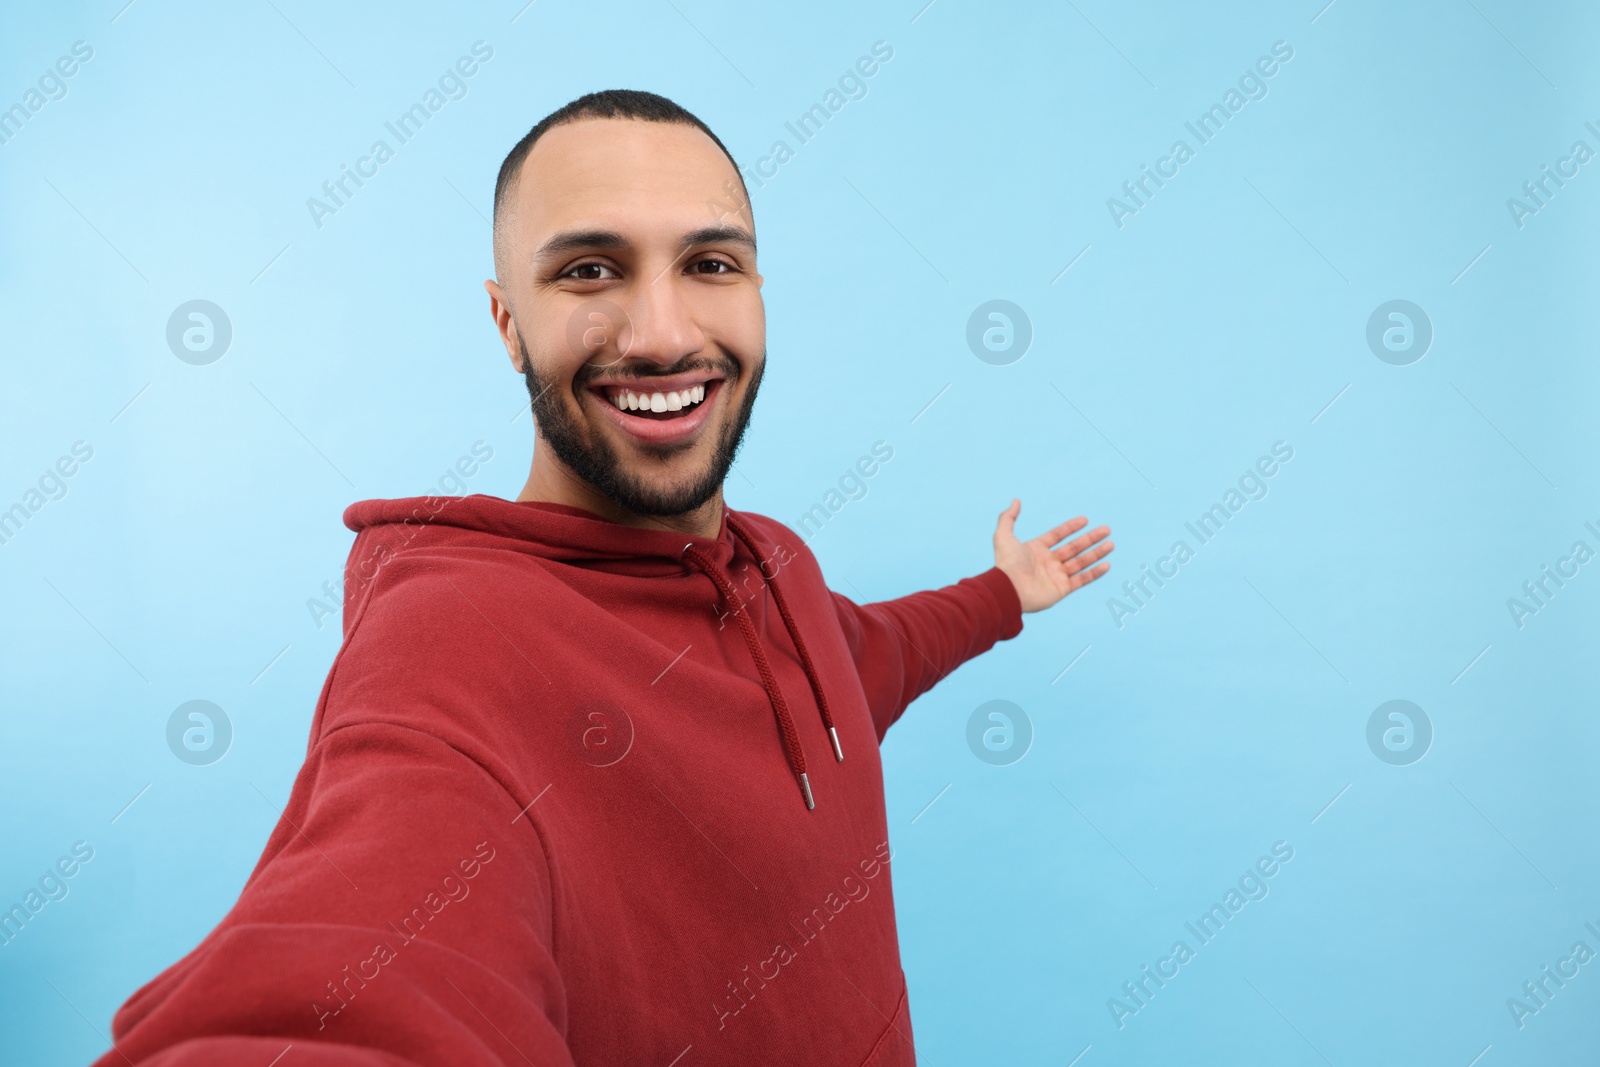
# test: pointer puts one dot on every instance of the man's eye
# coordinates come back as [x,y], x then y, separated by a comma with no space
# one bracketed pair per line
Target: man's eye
[711,266]
[591,272]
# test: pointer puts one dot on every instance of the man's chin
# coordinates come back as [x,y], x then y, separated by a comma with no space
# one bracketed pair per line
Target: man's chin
[643,494]
[648,479]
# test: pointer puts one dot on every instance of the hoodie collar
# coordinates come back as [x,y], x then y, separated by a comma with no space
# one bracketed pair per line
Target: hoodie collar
[557,532]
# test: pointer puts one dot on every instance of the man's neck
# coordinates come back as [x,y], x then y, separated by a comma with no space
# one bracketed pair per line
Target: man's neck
[552,484]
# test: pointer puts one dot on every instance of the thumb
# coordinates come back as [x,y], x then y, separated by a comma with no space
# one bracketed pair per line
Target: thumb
[1008,521]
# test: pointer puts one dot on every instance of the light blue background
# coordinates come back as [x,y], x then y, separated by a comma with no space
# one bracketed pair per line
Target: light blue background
[1224,316]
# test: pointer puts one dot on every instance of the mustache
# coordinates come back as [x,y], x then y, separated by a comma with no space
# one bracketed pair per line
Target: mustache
[724,366]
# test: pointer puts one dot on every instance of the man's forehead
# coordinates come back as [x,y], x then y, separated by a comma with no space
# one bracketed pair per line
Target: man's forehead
[599,171]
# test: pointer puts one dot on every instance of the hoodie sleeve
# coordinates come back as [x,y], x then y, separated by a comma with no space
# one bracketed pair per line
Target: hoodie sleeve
[400,915]
[903,647]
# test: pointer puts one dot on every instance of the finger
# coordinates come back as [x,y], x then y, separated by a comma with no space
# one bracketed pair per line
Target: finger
[1067,551]
[1083,561]
[1008,520]
[1080,546]
[1055,534]
[1084,578]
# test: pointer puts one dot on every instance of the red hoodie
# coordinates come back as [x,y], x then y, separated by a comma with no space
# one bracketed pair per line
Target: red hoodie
[554,808]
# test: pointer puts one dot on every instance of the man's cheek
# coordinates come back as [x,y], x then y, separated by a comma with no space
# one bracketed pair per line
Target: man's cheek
[738,328]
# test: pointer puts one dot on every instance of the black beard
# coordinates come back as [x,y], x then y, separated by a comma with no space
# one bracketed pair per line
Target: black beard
[591,457]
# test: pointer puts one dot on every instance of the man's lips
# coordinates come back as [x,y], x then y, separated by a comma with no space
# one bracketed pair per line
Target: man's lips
[659,410]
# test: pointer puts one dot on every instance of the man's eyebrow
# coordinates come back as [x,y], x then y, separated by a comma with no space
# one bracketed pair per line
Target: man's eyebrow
[721,235]
[575,240]
[580,240]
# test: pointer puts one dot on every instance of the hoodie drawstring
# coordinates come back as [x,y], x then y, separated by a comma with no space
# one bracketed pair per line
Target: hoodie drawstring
[793,750]
[794,635]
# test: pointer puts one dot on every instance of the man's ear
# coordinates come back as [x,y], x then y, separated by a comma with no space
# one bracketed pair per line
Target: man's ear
[500,311]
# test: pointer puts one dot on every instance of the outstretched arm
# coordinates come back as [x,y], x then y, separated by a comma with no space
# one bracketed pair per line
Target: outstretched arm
[398,917]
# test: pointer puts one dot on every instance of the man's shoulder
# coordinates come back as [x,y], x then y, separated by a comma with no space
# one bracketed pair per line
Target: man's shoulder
[425,591]
[447,642]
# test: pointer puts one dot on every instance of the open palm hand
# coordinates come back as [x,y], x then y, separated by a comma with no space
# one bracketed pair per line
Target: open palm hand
[1041,572]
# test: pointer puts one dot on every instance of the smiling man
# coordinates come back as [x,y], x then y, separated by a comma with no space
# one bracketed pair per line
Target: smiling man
[594,778]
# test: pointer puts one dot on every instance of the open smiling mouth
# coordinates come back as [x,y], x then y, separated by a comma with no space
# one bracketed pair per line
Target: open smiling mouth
[660,406]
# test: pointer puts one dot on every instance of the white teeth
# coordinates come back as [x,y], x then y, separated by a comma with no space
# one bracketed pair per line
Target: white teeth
[677,401]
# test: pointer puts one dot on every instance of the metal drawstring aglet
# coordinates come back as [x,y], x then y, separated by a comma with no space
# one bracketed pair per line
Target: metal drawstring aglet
[805,788]
[833,735]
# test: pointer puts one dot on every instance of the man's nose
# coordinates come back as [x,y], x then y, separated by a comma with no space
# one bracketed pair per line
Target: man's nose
[661,323]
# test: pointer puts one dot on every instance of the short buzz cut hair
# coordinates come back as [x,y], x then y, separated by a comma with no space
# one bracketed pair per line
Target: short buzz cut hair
[606,104]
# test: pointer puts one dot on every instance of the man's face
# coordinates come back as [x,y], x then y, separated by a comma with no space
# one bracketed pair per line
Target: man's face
[629,270]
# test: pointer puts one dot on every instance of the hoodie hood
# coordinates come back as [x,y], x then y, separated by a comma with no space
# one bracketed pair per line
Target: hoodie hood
[574,537]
